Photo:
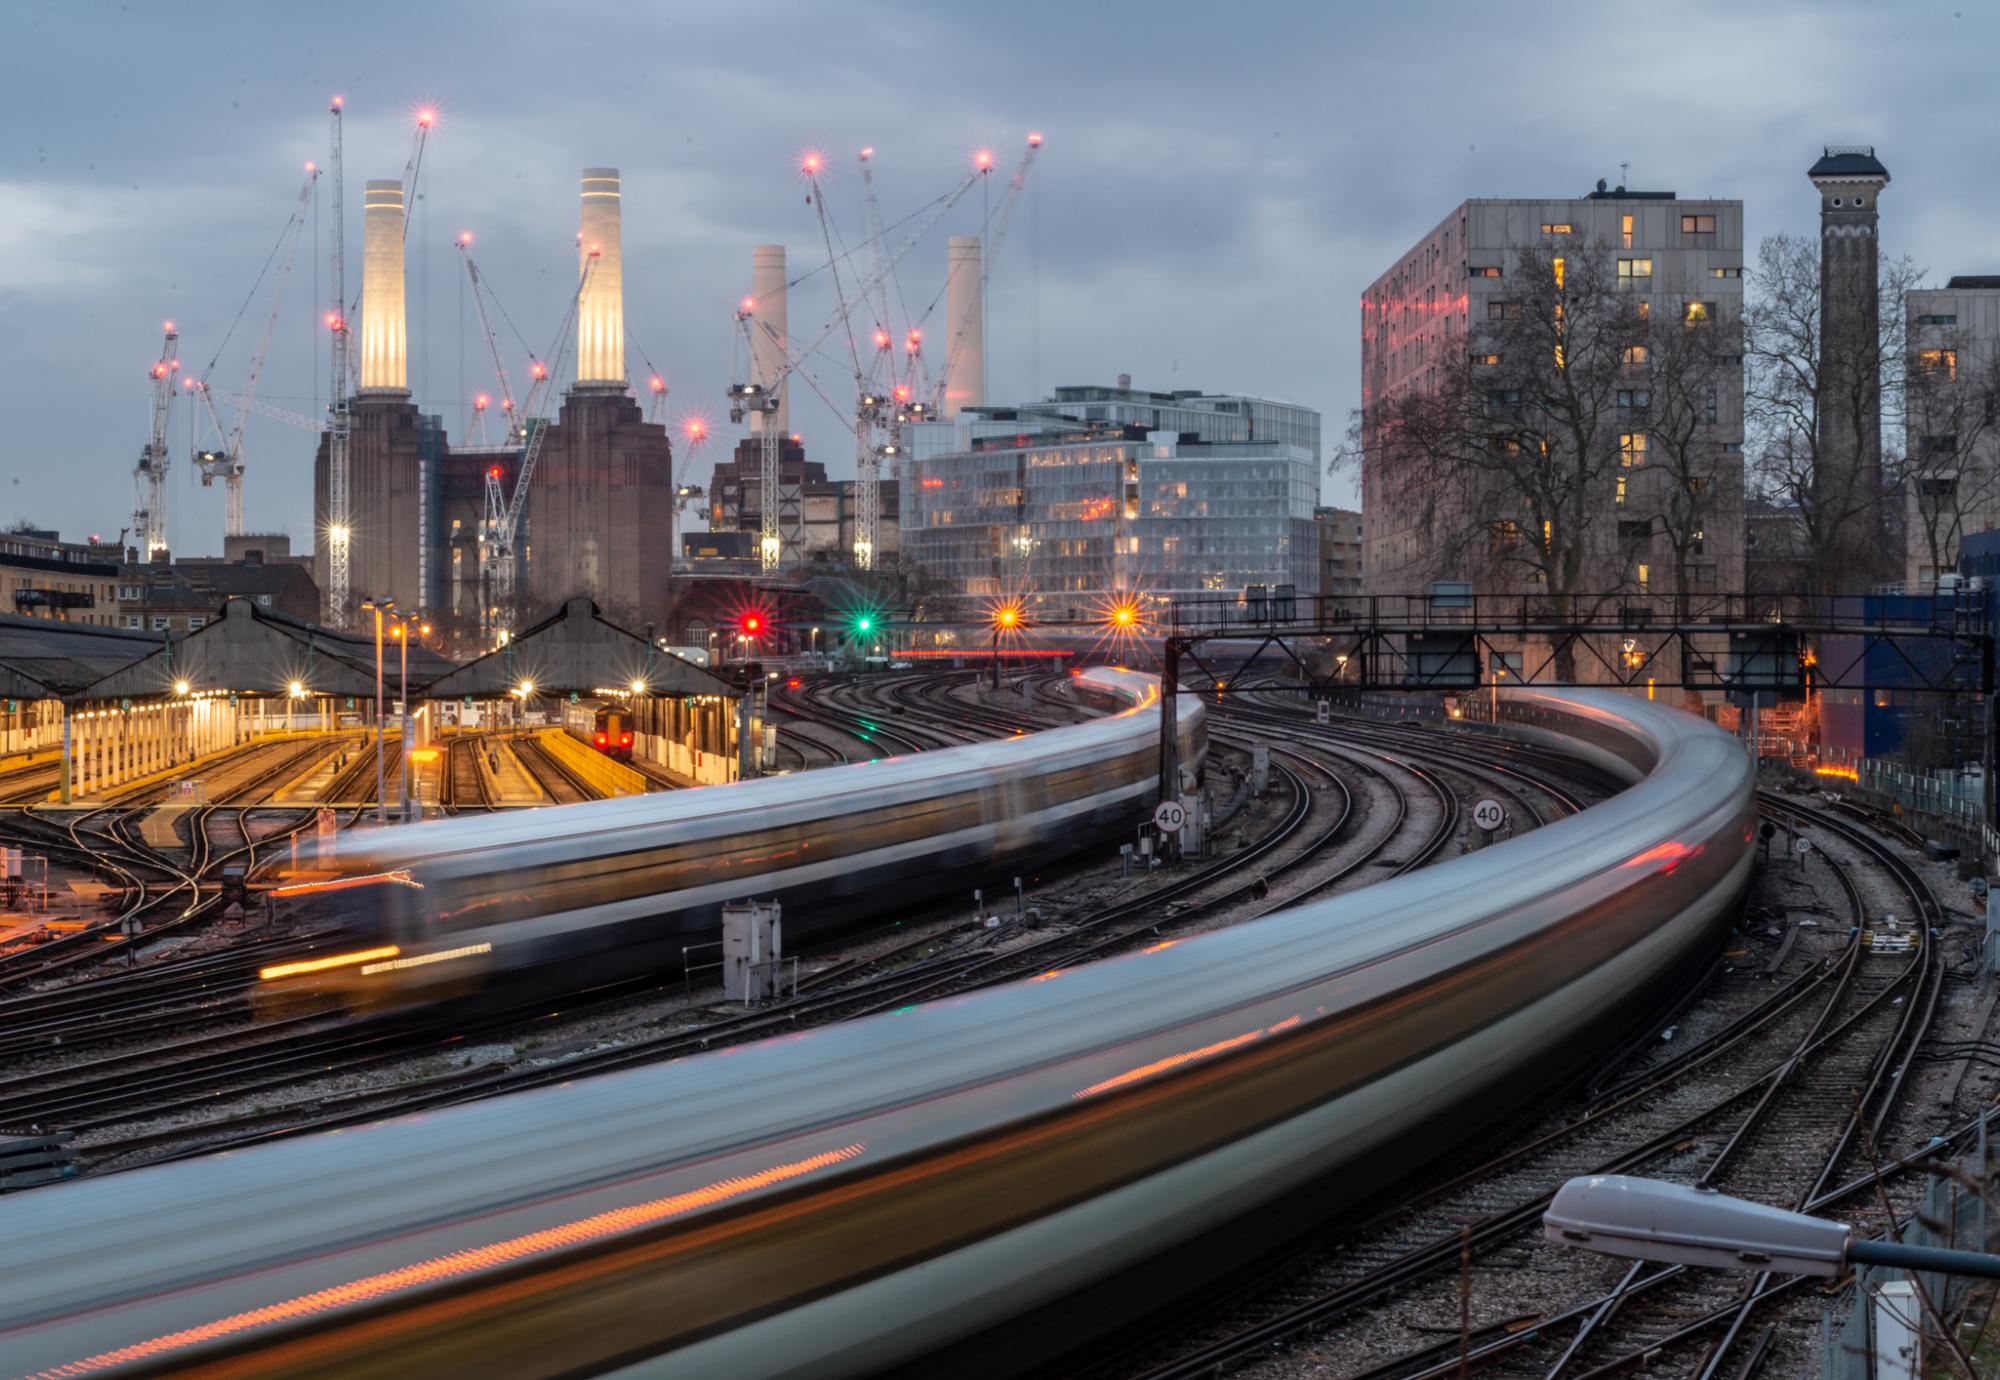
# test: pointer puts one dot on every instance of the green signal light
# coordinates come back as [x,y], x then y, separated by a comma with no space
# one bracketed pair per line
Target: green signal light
[863,623]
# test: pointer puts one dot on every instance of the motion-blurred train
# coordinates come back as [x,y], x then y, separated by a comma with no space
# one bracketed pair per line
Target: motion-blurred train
[563,897]
[936,1190]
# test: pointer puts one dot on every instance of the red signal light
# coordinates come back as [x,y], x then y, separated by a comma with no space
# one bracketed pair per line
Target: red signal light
[793,683]
[752,623]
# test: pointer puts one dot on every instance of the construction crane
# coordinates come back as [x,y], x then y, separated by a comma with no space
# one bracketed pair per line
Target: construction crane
[244,403]
[760,396]
[500,556]
[340,416]
[149,476]
[995,235]
[228,461]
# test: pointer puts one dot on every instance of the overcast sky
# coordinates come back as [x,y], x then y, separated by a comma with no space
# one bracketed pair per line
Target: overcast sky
[1218,185]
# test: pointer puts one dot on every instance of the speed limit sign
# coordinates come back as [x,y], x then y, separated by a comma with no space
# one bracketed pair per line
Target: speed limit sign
[1802,845]
[1489,814]
[1170,816]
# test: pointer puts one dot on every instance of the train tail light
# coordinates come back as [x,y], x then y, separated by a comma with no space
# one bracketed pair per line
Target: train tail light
[603,738]
[624,740]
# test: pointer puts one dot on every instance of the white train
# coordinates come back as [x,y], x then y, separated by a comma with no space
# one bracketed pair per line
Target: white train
[555,899]
[869,1195]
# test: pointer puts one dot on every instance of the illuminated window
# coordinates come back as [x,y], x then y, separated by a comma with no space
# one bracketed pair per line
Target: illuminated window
[1503,311]
[1559,266]
[1635,268]
[1697,313]
[1645,310]
[1625,232]
[1619,497]
[1725,273]
[1557,228]
[1483,271]
[1939,361]
[1632,449]
[1548,534]
[1486,359]
[1645,574]
[1697,225]
[1635,354]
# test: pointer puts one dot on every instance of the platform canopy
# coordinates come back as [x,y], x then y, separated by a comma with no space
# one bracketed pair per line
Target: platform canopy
[577,651]
[253,651]
[42,659]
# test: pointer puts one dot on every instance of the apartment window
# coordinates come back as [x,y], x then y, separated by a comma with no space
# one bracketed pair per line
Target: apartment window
[1702,576]
[1697,313]
[1951,319]
[1732,447]
[1560,227]
[1632,449]
[1645,575]
[1938,485]
[1503,311]
[1618,497]
[1939,362]
[1725,272]
[128,591]
[1708,406]
[1937,445]
[1635,399]
[1645,310]
[264,599]
[1483,271]
[196,622]
[1505,529]
[1500,399]
[160,622]
[1625,232]
[1486,359]
[1504,445]
[1634,529]
[133,620]
[1697,225]
[1635,354]
[1730,361]
[1635,268]
[1559,266]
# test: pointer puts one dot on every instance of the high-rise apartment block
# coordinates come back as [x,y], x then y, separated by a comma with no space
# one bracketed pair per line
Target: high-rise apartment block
[1952,422]
[1424,317]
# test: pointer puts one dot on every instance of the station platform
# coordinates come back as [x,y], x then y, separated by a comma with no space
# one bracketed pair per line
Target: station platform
[507,781]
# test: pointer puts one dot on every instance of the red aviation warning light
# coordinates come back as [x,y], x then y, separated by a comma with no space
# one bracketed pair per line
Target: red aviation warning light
[426,117]
[480,402]
[881,340]
[812,162]
[983,160]
[1034,139]
[464,238]
[657,384]
[694,428]
[538,369]
[493,473]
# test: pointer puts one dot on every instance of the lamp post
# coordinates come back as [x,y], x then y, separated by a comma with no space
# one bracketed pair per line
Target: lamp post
[292,693]
[1643,1219]
[402,635]
[815,641]
[379,607]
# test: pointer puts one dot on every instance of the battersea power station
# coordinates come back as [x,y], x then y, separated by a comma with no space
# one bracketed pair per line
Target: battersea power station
[419,527]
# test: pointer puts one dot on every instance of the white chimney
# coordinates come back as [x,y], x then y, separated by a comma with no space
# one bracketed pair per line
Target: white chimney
[600,314]
[965,325]
[385,331]
[767,319]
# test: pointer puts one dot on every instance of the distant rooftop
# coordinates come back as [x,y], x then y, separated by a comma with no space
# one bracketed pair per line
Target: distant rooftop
[1849,160]
[1623,193]
[1974,280]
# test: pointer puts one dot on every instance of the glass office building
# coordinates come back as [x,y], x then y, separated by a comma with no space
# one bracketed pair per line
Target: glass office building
[1162,495]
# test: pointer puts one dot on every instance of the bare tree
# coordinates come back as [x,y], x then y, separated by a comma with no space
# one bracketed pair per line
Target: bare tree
[1819,404]
[1512,464]
[1692,484]
[1952,404]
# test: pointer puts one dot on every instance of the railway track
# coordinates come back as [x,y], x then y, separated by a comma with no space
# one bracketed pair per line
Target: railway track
[563,785]
[1784,1063]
